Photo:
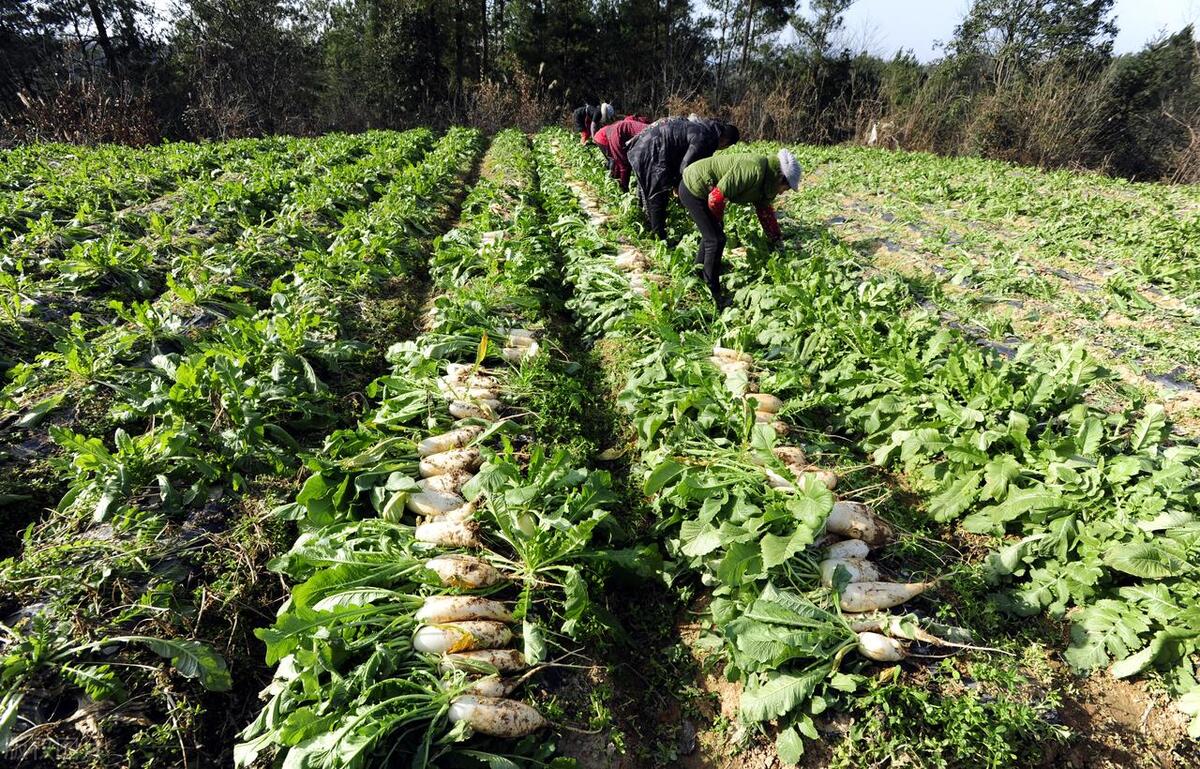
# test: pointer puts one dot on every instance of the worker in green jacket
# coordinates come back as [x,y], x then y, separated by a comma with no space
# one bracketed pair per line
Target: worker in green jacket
[709,184]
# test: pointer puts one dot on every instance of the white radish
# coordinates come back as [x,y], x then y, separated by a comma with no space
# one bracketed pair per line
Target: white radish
[464,571]
[447,483]
[827,477]
[449,533]
[858,569]
[485,660]
[880,648]
[460,608]
[789,455]
[726,353]
[777,481]
[484,410]
[493,686]
[462,371]
[764,417]
[497,717]
[519,354]
[781,428]
[515,340]
[875,596]
[459,392]
[451,637]
[847,549]
[854,519]
[433,503]
[765,402]
[730,366]
[455,439]
[464,513]
[456,461]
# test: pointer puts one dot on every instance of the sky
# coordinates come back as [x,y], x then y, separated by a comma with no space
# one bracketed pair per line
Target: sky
[886,26]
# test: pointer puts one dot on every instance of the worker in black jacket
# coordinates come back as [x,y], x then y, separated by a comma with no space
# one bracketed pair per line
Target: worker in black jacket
[660,154]
[589,119]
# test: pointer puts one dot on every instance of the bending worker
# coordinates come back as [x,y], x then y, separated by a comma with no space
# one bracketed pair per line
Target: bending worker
[614,140]
[663,151]
[709,184]
[589,119]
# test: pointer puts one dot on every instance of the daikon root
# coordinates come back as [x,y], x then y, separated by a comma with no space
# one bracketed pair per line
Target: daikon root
[874,596]
[451,637]
[464,571]
[854,519]
[455,439]
[449,533]
[460,608]
[880,648]
[456,461]
[850,548]
[485,660]
[858,569]
[496,717]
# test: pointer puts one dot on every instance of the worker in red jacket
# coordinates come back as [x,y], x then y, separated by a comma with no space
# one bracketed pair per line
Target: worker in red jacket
[613,140]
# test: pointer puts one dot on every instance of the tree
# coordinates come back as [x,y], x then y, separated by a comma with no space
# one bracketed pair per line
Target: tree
[817,30]
[1018,36]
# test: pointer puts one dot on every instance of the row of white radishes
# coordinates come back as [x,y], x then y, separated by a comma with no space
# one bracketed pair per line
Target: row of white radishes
[471,633]
[853,530]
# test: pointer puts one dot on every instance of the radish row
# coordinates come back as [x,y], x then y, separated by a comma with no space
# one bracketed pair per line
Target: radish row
[745,511]
[470,633]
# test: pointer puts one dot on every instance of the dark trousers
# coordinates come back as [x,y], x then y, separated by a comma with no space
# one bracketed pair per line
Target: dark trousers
[655,203]
[712,239]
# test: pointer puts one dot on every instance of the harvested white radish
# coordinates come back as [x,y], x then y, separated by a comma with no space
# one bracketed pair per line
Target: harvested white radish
[726,353]
[485,660]
[518,354]
[464,410]
[433,503]
[854,519]
[462,371]
[765,402]
[496,717]
[464,571]
[451,637]
[880,648]
[777,481]
[781,428]
[730,366]
[789,455]
[446,483]
[455,439]
[464,512]
[849,548]
[448,533]
[629,260]
[858,569]
[899,627]
[493,686]
[459,392]
[826,477]
[468,379]
[874,596]
[460,608]
[456,461]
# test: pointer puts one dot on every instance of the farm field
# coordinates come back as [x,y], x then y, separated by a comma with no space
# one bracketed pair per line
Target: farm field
[273,408]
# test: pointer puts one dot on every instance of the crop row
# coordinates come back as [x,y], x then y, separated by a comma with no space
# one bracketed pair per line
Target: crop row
[457,511]
[84,281]
[1092,514]
[209,292]
[1010,255]
[51,189]
[156,545]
